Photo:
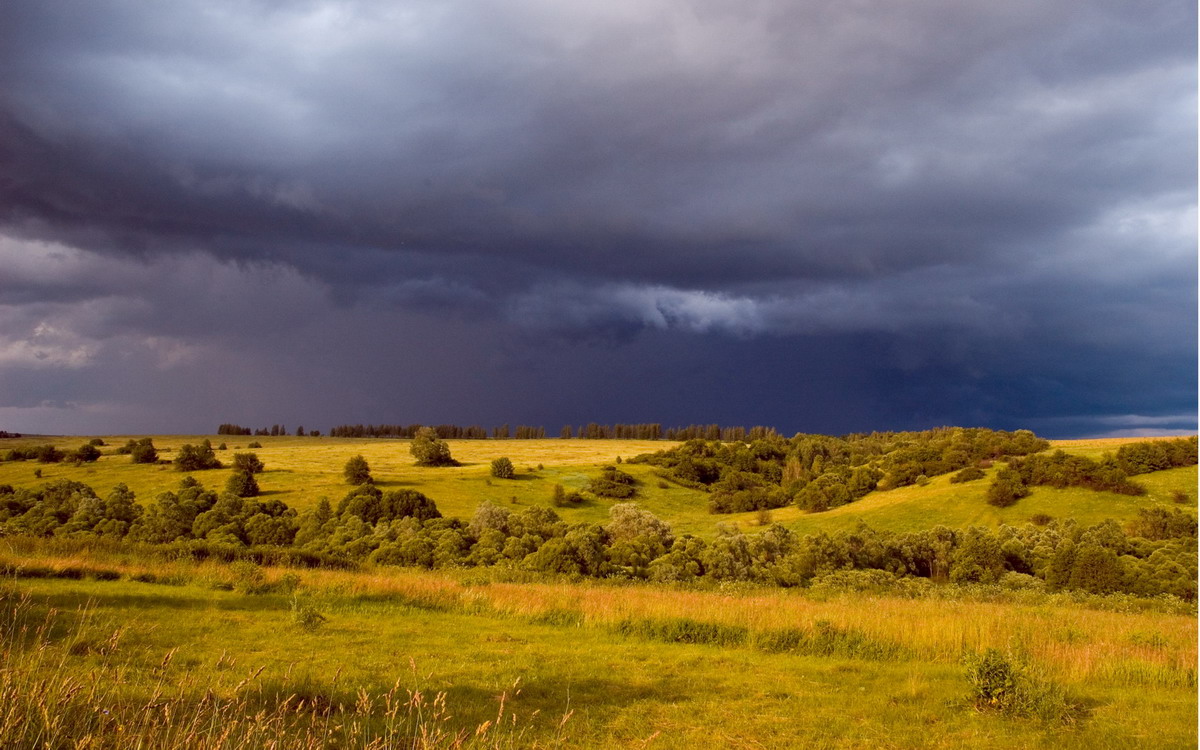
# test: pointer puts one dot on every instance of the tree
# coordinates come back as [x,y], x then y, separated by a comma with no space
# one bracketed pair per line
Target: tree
[143,451]
[430,450]
[247,462]
[196,457]
[357,471]
[242,484]
[87,453]
[1006,489]
[502,468]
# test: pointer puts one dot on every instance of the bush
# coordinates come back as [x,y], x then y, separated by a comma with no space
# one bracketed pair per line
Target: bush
[356,471]
[1006,489]
[247,462]
[305,616]
[502,468]
[196,457]
[999,683]
[430,450]
[86,453]
[242,484]
[141,451]
[254,444]
[248,578]
[969,474]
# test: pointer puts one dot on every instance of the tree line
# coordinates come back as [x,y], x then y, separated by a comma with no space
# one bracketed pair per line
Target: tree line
[1152,555]
[275,430]
[589,431]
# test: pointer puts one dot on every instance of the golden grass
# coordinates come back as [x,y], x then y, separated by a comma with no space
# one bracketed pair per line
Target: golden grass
[1076,642]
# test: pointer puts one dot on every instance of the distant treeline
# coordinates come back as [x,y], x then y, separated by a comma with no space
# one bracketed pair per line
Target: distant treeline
[7,434]
[274,430]
[1152,555]
[589,431]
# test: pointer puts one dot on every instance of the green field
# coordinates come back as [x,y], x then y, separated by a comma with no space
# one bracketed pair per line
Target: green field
[596,655]
[112,645]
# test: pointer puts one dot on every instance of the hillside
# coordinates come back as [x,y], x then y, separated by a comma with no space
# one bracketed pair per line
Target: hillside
[301,470]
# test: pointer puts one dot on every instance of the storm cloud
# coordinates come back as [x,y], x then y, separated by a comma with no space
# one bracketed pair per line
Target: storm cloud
[824,217]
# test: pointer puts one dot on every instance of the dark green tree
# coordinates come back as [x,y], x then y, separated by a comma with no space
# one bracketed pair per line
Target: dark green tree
[247,462]
[242,484]
[357,471]
[142,451]
[1006,489]
[430,450]
[502,468]
[196,457]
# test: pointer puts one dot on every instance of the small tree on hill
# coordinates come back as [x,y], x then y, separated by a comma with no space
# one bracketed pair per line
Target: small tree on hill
[430,450]
[143,451]
[196,457]
[247,462]
[242,484]
[357,471]
[502,468]
[1006,489]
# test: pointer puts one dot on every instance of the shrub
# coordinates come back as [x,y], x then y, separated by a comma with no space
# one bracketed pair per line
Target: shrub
[1000,683]
[254,444]
[356,471]
[196,457]
[969,474]
[430,450]
[248,462]
[242,484]
[248,578]
[502,468]
[305,616]
[48,454]
[1006,489]
[86,453]
[142,451]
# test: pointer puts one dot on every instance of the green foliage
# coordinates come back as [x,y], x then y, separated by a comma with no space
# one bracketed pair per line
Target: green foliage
[1001,683]
[1006,488]
[430,450]
[196,457]
[969,474]
[242,484]
[142,451]
[502,468]
[306,616]
[613,482]
[86,453]
[248,578]
[356,471]
[48,454]
[248,463]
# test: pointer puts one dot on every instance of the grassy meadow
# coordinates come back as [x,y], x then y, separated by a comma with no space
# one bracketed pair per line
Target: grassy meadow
[537,664]
[108,645]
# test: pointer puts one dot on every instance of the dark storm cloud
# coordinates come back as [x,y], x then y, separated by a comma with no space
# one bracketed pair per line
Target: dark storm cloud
[956,192]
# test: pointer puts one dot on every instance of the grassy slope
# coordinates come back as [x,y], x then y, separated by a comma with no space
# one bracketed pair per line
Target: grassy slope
[302,470]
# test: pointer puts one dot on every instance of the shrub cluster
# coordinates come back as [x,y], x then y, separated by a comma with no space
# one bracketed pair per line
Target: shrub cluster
[1155,554]
[818,472]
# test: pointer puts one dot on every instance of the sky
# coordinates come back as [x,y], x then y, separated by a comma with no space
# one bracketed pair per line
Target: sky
[824,217]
